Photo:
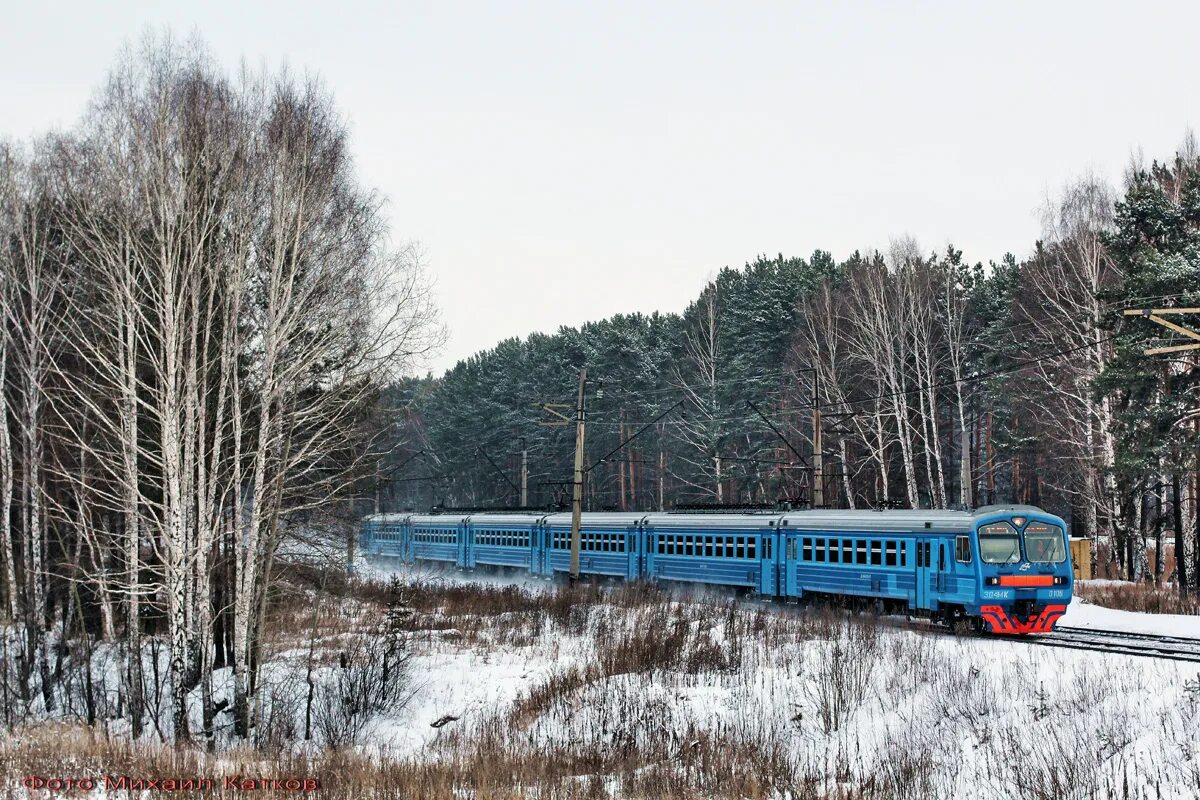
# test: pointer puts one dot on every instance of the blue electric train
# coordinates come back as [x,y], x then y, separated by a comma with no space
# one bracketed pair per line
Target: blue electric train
[1004,569]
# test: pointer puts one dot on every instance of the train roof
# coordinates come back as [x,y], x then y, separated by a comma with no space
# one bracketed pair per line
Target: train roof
[439,519]
[519,517]
[713,521]
[905,520]
[388,517]
[599,518]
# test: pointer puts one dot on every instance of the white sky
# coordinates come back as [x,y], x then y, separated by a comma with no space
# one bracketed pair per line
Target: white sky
[562,162]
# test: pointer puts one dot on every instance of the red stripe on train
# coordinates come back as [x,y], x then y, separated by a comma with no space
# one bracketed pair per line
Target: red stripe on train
[999,621]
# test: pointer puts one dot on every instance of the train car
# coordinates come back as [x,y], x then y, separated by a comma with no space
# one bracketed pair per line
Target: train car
[384,536]
[438,537]
[609,544]
[1004,569]
[725,549]
[503,540]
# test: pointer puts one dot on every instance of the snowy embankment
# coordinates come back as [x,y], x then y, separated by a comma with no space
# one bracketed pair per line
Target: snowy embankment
[718,698]
[518,688]
[1082,614]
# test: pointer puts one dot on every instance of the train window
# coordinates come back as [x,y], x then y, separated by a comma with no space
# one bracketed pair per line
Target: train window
[708,547]
[998,544]
[1044,543]
[847,551]
[752,547]
[889,554]
[962,549]
[877,553]
[807,550]
[835,550]
[820,551]
[860,551]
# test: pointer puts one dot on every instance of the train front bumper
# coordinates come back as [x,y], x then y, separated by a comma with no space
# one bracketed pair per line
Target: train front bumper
[999,620]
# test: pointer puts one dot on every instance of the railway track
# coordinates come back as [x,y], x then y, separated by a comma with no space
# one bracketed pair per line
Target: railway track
[1146,645]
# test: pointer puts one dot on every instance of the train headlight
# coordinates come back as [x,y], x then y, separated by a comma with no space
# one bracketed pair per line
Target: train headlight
[991,581]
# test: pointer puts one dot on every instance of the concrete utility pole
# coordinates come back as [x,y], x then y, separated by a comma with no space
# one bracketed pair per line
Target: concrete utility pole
[524,475]
[818,487]
[577,490]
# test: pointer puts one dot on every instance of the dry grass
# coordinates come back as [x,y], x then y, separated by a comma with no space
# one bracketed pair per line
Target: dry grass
[1143,597]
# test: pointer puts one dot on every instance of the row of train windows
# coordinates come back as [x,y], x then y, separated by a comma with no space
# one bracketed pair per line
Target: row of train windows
[597,542]
[711,546]
[389,534]
[875,552]
[503,538]
[435,536]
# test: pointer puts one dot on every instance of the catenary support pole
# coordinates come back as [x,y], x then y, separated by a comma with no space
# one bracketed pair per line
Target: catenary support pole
[577,488]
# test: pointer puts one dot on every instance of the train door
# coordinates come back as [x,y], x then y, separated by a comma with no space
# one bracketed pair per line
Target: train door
[768,552]
[923,547]
[631,553]
[790,585]
[941,566]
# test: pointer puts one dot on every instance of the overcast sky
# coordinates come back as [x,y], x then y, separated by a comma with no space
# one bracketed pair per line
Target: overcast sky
[562,162]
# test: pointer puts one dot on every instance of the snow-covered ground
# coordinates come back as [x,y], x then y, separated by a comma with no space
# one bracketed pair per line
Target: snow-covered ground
[836,703]
[1082,614]
[637,692]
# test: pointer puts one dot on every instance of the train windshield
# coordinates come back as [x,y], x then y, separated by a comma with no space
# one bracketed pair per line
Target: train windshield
[1044,543]
[998,544]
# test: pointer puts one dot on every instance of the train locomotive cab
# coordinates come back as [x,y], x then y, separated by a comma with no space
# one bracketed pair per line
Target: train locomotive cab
[1023,569]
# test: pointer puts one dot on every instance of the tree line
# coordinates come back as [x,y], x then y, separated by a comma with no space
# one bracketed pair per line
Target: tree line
[201,306]
[942,384]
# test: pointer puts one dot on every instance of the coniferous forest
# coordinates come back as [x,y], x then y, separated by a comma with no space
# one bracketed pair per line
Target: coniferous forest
[942,383]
